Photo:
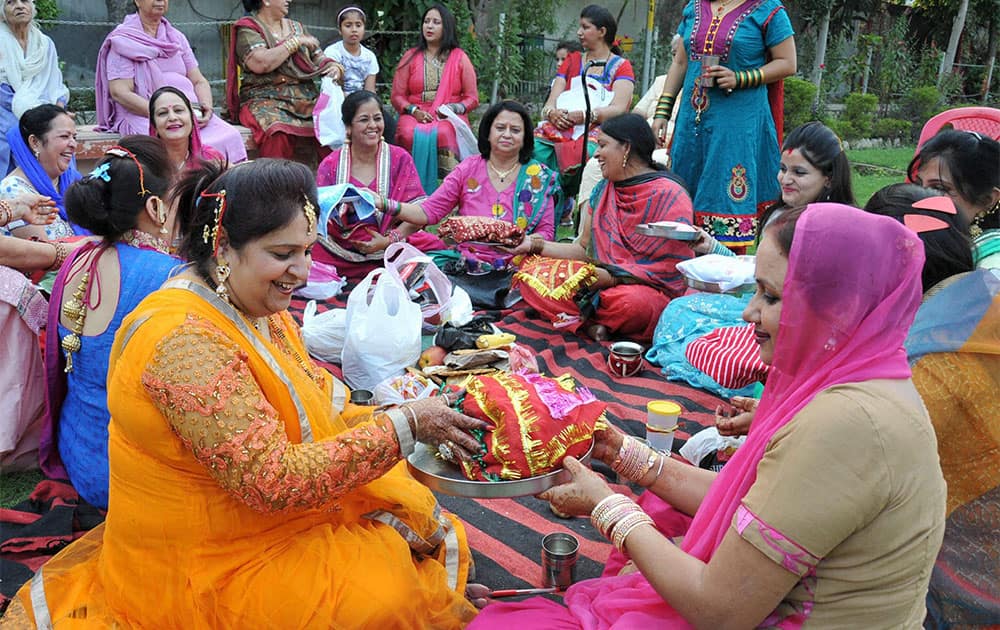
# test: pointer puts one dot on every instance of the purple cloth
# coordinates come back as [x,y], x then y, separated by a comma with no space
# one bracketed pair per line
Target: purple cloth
[151,63]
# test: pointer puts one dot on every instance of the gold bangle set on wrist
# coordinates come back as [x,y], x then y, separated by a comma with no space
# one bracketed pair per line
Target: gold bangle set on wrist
[664,107]
[292,44]
[62,251]
[749,78]
[6,212]
[537,244]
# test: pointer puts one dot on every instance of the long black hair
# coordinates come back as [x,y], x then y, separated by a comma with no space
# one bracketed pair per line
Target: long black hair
[108,202]
[602,18]
[947,251]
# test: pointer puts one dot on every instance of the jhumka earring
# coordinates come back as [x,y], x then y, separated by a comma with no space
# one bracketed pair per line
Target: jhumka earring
[161,215]
[222,272]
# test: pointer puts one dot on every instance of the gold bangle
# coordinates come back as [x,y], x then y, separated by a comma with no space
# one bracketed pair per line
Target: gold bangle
[6,212]
[62,251]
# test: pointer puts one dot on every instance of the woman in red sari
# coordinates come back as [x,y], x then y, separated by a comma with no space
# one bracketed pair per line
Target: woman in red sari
[612,280]
[434,73]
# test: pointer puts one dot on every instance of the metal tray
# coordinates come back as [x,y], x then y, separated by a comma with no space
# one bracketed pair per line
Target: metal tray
[666,231]
[715,287]
[442,476]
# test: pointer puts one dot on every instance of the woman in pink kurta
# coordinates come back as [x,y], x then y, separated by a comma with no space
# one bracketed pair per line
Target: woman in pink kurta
[433,74]
[133,63]
[504,182]
[368,161]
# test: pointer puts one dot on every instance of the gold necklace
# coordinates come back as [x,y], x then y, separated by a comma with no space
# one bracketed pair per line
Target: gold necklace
[501,174]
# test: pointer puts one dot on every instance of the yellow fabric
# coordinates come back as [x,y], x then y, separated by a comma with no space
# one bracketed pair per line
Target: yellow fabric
[178,550]
[962,393]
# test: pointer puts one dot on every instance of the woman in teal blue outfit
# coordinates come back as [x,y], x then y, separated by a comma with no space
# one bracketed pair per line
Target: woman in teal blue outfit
[726,138]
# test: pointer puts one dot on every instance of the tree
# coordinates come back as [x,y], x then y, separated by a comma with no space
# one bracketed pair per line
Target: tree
[957,26]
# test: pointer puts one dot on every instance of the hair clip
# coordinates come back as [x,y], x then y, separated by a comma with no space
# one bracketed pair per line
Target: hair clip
[351,8]
[923,223]
[938,203]
[979,138]
[122,152]
[101,172]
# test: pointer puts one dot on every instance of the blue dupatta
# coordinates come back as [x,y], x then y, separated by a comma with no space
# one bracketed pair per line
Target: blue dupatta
[25,159]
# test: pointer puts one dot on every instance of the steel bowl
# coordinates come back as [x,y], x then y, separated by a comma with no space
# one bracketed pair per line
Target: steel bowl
[442,476]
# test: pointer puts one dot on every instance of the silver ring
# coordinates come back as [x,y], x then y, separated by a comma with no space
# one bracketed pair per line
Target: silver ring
[446,451]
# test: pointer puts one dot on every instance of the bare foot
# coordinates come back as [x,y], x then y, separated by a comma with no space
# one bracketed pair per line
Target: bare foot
[478,594]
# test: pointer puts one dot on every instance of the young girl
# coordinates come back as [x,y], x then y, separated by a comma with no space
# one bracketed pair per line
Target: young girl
[360,64]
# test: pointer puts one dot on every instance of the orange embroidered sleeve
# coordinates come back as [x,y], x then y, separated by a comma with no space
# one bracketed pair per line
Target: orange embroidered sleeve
[201,382]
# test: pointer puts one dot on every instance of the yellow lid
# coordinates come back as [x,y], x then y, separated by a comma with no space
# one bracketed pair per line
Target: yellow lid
[663,407]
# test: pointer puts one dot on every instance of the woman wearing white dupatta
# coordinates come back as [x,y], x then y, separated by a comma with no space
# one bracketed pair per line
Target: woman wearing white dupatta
[29,70]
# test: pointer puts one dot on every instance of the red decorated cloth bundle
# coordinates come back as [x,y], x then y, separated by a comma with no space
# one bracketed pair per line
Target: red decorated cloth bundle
[482,230]
[538,421]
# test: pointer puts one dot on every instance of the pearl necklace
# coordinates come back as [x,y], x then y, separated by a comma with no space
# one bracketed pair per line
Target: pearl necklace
[502,175]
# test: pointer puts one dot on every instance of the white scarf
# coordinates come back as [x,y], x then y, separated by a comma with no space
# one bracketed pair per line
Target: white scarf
[34,75]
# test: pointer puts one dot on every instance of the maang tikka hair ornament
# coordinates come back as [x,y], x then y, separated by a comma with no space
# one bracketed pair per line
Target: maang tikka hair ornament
[310,211]
[210,234]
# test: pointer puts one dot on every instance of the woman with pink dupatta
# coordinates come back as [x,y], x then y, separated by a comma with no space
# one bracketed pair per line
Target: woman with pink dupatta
[433,74]
[832,511]
[144,53]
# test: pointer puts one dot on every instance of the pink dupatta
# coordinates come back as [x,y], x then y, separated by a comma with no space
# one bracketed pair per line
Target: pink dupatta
[849,298]
[130,41]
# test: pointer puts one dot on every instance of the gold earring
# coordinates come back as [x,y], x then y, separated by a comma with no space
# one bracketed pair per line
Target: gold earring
[161,215]
[625,159]
[222,272]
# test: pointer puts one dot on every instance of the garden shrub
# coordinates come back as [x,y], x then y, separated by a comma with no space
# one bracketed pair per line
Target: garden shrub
[859,111]
[799,97]
[892,129]
[919,104]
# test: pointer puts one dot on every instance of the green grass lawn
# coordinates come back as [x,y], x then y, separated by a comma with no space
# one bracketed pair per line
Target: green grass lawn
[874,169]
[15,487]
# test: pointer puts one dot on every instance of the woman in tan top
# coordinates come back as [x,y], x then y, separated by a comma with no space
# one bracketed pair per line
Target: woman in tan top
[832,512]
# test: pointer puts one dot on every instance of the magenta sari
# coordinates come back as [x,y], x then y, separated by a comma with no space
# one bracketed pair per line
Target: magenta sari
[840,323]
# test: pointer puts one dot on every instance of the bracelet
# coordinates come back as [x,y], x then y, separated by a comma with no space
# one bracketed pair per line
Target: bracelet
[395,207]
[416,424]
[62,251]
[749,78]
[546,111]
[626,526]
[659,470]
[537,244]
[6,213]
[633,461]
[409,109]
[292,44]
[395,236]
[664,107]
[607,512]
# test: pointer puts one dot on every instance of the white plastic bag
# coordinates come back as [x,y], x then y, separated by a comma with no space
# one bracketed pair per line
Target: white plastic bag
[328,124]
[430,288]
[324,333]
[398,389]
[468,144]
[707,441]
[383,332]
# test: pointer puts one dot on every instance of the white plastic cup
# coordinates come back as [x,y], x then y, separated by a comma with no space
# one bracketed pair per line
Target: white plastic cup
[661,424]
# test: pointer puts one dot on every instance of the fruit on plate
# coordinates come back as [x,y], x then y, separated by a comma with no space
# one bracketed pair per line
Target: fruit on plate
[432,356]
